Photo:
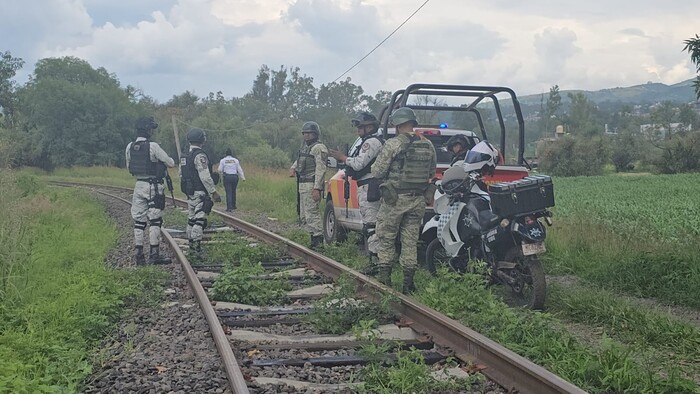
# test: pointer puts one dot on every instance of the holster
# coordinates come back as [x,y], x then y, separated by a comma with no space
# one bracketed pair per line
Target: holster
[389,194]
[429,193]
[159,201]
[207,204]
[373,191]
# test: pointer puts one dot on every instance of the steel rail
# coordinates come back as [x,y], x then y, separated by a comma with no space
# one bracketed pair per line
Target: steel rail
[231,366]
[504,366]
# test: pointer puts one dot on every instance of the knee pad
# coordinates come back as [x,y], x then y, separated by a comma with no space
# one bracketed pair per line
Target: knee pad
[202,222]
[156,222]
[138,225]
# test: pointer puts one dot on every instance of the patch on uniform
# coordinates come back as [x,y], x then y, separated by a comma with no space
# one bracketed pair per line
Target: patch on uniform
[202,160]
[365,147]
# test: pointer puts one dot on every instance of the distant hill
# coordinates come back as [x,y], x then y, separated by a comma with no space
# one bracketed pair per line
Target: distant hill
[648,93]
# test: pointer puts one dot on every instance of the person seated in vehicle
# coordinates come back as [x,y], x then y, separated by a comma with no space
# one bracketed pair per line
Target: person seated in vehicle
[458,145]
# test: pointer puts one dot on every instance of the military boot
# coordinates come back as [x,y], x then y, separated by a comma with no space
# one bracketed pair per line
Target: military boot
[384,274]
[140,258]
[371,268]
[408,285]
[195,254]
[155,257]
[316,241]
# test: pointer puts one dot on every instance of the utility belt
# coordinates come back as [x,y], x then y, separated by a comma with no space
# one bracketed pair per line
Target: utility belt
[152,181]
[307,180]
[410,194]
[363,182]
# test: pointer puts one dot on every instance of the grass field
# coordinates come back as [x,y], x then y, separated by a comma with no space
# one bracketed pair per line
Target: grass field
[616,236]
[57,298]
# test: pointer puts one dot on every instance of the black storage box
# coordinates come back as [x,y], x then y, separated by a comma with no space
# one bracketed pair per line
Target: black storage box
[527,195]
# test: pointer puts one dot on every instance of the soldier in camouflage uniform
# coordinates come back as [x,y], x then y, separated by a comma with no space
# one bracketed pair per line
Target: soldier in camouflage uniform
[310,169]
[358,166]
[199,186]
[406,164]
[147,161]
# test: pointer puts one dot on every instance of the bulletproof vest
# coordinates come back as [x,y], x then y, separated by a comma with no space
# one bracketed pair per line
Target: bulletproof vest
[306,164]
[140,164]
[368,168]
[410,170]
[189,176]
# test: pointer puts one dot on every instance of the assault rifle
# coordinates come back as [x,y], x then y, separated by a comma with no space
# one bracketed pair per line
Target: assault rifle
[346,185]
[169,182]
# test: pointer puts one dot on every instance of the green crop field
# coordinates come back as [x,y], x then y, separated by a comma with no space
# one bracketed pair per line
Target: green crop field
[634,234]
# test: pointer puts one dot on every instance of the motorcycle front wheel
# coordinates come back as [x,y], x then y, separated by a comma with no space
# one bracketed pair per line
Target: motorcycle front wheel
[527,287]
[436,256]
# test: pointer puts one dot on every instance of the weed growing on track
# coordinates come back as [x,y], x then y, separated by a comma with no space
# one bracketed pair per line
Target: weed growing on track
[66,300]
[233,248]
[237,283]
[538,337]
[339,310]
[409,374]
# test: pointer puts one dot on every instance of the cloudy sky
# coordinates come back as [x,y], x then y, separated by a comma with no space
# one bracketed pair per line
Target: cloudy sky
[165,47]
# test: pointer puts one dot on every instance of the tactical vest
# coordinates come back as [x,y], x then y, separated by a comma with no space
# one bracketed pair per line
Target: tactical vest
[410,170]
[140,164]
[366,169]
[306,164]
[189,176]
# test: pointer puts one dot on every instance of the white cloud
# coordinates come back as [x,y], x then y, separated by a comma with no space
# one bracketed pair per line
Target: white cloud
[168,46]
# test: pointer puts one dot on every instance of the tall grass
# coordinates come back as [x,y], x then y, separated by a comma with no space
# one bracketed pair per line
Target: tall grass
[635,234]
[14,238]
[65,300]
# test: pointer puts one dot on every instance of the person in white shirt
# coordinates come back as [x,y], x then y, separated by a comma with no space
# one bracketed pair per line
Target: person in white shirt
[232,171]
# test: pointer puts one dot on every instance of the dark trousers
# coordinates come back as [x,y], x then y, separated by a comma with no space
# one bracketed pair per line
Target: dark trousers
[230,185]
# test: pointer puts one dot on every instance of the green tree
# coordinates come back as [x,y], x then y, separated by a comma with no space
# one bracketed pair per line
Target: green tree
[8,69]
[692,46]
[662,116]
[74,115]
[689,117]
[582,118]
[344,96]
[552,110]
[301,93]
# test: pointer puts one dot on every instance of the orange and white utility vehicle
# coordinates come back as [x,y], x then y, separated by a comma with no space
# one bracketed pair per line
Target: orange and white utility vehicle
[442,111]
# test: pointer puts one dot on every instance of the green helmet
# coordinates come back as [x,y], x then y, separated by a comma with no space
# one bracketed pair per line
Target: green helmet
[311,127]
[197,136]
[403,115]
[365,119]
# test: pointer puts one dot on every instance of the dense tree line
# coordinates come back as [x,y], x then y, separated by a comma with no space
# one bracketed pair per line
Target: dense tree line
[69,113]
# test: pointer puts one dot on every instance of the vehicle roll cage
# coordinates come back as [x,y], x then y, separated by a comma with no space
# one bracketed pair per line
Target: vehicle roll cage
[400,99]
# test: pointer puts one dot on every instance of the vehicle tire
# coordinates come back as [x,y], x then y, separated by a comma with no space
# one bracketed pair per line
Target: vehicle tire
[332,231]
[530,289]
[435,256]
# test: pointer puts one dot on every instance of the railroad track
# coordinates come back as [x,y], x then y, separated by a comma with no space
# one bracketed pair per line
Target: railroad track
[264,349]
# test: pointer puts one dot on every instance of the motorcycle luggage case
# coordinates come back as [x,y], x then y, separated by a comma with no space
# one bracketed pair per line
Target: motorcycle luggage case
[527,195]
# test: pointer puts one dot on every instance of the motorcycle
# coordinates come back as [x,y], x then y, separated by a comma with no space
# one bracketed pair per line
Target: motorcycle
[468,230]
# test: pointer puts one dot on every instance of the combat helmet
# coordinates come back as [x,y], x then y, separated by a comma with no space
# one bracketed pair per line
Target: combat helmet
[196,136]
[311,127]
[403,115]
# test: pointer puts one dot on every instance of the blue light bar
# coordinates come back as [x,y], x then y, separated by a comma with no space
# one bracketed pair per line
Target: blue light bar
[443,125]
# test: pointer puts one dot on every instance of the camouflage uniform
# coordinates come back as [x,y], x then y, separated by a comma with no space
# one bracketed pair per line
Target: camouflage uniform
[311,168]
[196,216]
[144,207]
[401,210]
